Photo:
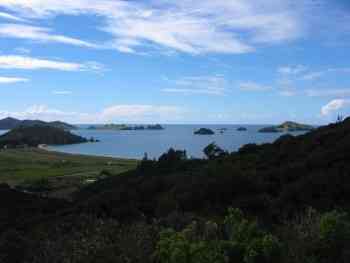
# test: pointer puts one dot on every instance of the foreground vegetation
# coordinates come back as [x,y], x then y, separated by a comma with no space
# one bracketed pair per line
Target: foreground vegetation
[282,202]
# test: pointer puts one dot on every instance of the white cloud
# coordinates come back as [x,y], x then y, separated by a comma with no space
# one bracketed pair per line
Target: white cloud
[196,26]
[341,70]
[42,112]
[334,105]
[210,85]
[319,74]
[313,75]
[11,80]
[328,92]
[292,70]
[252,86]
[287,93]
[40,34]
[30,63]
[11,17]
[61,92]
[137,113]
[22,50]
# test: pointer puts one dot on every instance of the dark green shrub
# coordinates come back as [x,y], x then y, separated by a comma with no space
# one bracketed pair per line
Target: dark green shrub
[198,243]
[334,235]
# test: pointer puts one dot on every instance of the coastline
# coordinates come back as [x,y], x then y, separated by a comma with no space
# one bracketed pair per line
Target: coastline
[46,148]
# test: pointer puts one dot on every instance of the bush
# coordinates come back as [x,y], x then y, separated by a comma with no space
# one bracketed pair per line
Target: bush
[175,247]
[243,241]
[334,235]
[250,244]
[316,237]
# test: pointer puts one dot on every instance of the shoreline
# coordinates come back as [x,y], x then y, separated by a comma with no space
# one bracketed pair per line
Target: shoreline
[46,148]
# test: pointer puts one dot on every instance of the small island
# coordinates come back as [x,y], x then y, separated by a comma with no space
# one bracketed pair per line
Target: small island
[33,136]
[287,127]
[242,129]
[123,127]
[154,127]
[222,130]
[204,131]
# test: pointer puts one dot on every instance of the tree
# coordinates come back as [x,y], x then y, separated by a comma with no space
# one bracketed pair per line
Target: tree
[340,118]
[213,151]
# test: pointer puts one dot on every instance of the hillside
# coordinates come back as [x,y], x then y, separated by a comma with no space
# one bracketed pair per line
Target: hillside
[289,203]
[36,169]
[36,135]
[288,126]
[11,123]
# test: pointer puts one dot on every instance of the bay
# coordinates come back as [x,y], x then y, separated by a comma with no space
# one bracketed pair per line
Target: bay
[134,144]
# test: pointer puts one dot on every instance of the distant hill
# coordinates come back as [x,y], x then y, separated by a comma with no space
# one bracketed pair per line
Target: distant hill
[62,125]
[39,134]
[11,123]
[288,126]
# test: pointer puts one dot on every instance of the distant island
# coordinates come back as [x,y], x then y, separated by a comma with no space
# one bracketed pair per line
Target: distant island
[123,127]
[242,129]
[288,126]
[11,123]
[204,131]
[33,136]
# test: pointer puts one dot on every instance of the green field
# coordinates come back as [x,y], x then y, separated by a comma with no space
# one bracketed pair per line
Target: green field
[62,172]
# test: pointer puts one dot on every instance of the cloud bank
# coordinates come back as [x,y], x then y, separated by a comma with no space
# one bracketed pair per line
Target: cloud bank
[133,113]
[195,27]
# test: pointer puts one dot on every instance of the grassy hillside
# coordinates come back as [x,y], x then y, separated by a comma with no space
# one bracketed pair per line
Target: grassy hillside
[30,166]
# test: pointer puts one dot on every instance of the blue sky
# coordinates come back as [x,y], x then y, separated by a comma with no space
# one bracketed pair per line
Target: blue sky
[175,61]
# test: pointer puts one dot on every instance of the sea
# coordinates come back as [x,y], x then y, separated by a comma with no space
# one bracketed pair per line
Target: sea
[134,144]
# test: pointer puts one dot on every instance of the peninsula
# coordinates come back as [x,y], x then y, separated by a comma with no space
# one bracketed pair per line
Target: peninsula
[33,136]
[11,123]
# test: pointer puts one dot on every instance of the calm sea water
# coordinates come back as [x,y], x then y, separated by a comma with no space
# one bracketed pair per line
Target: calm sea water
[134,144]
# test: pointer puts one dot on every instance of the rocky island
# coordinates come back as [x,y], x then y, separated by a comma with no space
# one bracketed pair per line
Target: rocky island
[242,129]
[204,131]
[123,127]
[33,136]
[288,126]
[11,123]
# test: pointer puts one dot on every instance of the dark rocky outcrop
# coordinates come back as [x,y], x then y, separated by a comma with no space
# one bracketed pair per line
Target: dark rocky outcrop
[204,131]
